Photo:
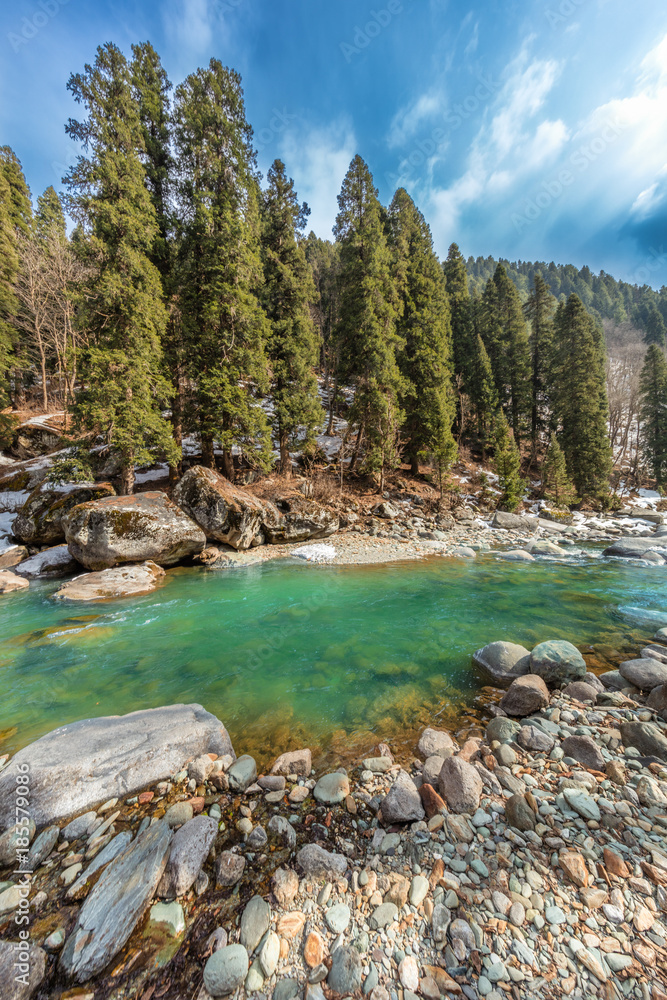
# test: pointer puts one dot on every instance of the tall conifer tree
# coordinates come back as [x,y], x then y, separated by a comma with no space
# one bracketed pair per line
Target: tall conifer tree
[9,266]
[49,215]
[425,359]
[123,389]
[367,320]
[287,294]
[653,387]
[539,310]
[219,266]
[580,398]
[506,339]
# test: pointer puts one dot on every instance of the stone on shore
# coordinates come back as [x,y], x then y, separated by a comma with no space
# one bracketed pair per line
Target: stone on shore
[581,691]
[223,511]
[403,803]
[115,530]
[242,773]
[519,813]
[460,785]
[83,764]
[11,582]
[226,970]
[646,673]
[631,547]
[40,520]
[657,700]
[110,584]
[299,520]
[316,861]
[48,564]
[525,695]
[646,738]
[435,742]
[345,972]
[116,904]
[513,522]
[502,662]
[297,762]
[33,958]
[332,788]
[557,662]
[229,868]
[255,923]
[189,850]
[584,750]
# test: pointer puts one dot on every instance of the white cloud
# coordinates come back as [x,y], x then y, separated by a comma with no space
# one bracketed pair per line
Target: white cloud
[317,159]
[188,25]
[408,119]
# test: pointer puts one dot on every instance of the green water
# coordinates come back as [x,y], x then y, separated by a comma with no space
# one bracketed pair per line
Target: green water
[284,653]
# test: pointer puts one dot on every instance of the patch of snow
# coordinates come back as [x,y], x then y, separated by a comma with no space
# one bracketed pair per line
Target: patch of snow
[321,553]
[44,419]
[151,474]
[13,499]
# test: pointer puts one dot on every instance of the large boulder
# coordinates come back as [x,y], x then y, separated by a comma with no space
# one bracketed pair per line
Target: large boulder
[403,803]
[460,785]
[80,765]
[50,563]
[645,674]
[114,530]
[223,511]
[557,662]
[513,522]
[502,662]
[110,584]
[525,695]
[646,738]
[634,547]
[40,520]
[298,521]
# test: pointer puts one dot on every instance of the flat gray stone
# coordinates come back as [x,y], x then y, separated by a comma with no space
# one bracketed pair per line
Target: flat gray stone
[314,860]
[582,803]
[226,970]
[189,850]
[254,923]
[115,847]
[384,915]
[332,788]
[32,966]
[83,764]
[337,918]
[345,973]
[116,904]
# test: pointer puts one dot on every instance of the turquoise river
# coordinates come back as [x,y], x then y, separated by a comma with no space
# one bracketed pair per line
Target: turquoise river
[293,654]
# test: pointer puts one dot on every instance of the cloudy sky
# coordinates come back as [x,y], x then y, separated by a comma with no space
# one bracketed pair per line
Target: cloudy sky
[528,129]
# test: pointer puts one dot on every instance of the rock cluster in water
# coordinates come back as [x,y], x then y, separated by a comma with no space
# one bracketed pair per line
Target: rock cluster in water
[529,863]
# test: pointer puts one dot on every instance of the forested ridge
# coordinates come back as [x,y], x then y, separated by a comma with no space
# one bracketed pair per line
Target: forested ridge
[190,300]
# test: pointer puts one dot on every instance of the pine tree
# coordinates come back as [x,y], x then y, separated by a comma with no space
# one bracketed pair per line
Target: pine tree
[481,383]
[580,398]
[653,388]
[539,310]
[425,360]
[123,389]
[556,484]
[288,291]
[367,323]
[507,462]
[322,256]
[655,329]
[506,340]
[219,266]
[9,266]
[49,216]
[20,205]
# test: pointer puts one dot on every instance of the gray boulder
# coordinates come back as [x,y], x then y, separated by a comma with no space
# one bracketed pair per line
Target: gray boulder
[315,861]
[502,662]
[646,738]
[403,803]
[225,970]
[632,547]
[584,750]
[189,850]
[657,700]
[83,764]
[223,511]
[40,520]
[525,695]
[31,969]
[115,530]
[460,785]
[557,662]
[299,520]
[645,673]
[116,904]
[513,522]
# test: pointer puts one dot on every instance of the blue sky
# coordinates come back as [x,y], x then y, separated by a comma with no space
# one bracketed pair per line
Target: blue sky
[531,129]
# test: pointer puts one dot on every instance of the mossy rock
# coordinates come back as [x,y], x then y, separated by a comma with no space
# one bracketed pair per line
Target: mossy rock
[40,520]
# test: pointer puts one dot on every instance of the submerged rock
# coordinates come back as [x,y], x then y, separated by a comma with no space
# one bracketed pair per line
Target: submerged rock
[116,904]
[502,662]
[85,763]
[108,584]
[115,530]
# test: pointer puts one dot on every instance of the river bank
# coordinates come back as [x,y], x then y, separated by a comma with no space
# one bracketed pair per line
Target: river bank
[529,861]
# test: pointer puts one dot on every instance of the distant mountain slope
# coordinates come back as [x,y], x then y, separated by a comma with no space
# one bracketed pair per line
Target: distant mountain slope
[602,295]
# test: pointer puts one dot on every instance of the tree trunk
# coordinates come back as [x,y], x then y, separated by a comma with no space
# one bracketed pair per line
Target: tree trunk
[414,465]
[19,390]
[177,425]
[207,453]
[228,465]
[357,446]
[285,460]
[127,478]
[332,401]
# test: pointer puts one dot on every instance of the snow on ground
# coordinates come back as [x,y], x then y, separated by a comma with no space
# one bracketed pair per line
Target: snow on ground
[46,418]
[152,474]
[6,521]
[320,553]
[13,499]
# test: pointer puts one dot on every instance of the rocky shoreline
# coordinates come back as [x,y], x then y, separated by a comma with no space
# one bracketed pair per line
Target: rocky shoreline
[531,862]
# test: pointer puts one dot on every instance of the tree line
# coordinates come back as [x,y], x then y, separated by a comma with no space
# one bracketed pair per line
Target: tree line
[188,300]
